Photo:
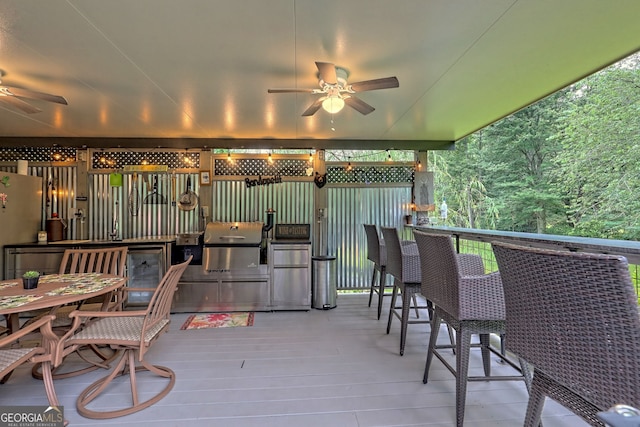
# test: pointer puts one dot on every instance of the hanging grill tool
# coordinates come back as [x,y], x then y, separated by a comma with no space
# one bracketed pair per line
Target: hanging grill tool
[188,200]
[155,198]
[134,196]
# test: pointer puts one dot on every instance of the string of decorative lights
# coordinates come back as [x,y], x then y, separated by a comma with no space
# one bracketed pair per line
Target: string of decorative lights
[403,156]
[366,155]
[347,156]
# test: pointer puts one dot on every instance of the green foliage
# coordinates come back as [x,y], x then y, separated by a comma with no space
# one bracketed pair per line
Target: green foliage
[599,167]
[31,274]
[458,177]
[569,164]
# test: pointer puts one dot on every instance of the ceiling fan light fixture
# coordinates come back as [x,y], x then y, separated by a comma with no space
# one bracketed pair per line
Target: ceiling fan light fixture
[333,104]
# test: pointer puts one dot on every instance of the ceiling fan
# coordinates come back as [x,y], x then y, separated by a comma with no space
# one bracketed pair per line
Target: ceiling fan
[11,95]
[336,92]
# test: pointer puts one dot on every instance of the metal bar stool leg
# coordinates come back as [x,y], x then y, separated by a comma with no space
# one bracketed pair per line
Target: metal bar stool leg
[381,289]
[486,354]
[463,347]
[407,297]
[433,338]
[394,295]
[373,285]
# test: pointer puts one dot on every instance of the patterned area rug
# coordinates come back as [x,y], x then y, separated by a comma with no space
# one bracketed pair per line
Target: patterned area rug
[218,320]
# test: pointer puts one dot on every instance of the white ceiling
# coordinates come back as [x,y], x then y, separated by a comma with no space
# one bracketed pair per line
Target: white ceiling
[196,70]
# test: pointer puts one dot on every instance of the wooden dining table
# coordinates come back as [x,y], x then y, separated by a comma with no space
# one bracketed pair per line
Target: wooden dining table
[53,291]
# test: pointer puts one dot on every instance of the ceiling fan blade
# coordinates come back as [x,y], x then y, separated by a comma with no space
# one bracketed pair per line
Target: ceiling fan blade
[327,72]
[26,93]
[313,108]
[383,83]
[289,90]
[358,105]
[19,104]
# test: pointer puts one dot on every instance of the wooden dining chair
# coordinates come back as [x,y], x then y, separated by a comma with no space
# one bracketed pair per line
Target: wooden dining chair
[132,334]
[574,317]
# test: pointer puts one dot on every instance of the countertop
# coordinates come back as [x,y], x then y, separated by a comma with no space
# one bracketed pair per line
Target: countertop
[79,242]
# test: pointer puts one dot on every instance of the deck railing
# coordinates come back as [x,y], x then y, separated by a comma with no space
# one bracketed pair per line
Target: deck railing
[468,240]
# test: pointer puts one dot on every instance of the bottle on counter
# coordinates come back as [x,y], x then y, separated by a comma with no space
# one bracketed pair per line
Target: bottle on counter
[444,209]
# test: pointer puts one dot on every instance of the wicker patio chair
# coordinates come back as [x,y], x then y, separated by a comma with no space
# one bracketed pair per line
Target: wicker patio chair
[574,317]
[467,300]
[377,253]
[403,264]
[132,333]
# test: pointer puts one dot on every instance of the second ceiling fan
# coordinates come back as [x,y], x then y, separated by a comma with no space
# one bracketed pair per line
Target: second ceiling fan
[11,96]
[336,92]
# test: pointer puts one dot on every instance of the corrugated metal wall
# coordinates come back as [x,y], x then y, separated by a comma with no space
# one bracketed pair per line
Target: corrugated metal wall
[349,207]
[149,219]
[292,201]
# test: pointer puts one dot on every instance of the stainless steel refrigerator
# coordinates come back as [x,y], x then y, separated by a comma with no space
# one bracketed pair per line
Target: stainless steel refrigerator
[20,210]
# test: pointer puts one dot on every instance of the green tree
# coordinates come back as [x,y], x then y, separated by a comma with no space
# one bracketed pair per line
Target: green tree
[459,178]
[521,152]
[598,170]
[499,177]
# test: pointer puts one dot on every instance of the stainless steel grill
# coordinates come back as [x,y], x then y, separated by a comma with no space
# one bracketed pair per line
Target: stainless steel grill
[232,245]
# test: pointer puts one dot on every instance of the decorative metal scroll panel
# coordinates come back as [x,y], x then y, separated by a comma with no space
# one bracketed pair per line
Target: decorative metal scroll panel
[256,167]
[369,174]
[120,159]
[37,154]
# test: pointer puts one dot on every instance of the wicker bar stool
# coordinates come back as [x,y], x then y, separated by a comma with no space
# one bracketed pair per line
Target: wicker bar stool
[403,263]
[468,301]
[377,254]
[574,317]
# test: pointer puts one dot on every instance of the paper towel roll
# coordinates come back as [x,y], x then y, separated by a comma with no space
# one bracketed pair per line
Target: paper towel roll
[22,167]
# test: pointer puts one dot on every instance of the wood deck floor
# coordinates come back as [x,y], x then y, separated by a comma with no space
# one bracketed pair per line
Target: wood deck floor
[318,368]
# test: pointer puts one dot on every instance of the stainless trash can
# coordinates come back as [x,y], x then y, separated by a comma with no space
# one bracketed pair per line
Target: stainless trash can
[323,291]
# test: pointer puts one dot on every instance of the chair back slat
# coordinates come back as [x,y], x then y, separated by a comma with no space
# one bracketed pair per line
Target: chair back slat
[394,252]
[159,307]
[401,257]
[373,243]
[574,316]
[439,265]
[96,260]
